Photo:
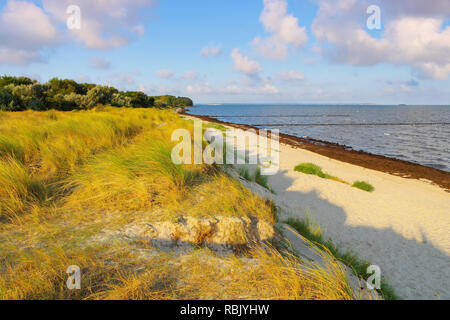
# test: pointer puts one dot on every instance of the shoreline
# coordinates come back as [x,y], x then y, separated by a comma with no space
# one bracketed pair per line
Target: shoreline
[393,166]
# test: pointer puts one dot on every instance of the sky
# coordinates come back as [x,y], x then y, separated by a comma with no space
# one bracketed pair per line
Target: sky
[235,51]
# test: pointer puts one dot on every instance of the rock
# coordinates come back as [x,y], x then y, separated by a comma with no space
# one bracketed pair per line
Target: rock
[219,233]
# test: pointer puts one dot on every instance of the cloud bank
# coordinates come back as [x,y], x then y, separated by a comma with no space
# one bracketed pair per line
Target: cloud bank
[414,35]
[26,29]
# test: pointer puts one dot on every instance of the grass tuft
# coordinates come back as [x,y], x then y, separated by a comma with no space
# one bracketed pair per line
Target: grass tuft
[260,179]
[311,168]
[243,172]
[363,186]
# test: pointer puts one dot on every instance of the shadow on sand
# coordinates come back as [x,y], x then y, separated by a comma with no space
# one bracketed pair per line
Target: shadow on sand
[416,270]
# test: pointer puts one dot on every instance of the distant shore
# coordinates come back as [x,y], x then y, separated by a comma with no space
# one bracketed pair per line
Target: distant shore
[344,153]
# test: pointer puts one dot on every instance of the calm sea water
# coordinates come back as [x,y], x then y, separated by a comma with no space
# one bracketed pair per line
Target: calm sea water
[419,134]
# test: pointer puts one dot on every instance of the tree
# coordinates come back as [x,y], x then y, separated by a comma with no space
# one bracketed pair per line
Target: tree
[8,101]
[21,93]
[184,102]
[99,95]
[138,99]
[120,100]
[65,87]
[16,81]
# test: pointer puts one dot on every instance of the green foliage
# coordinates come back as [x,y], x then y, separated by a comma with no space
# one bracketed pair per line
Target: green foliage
[363,186]
[21,93]
[311,168]
[99,95]
[171,101]
[16,81]
[8,102]
[184,102]
[243,172]
[260,179]
[257,177]
[134,99]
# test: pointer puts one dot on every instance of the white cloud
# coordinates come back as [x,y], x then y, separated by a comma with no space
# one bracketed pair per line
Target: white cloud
[24,31]
[244,64]
[156,90]
[409,38]
[269,89]
[198,89]
[104,24]
[165,74]
[292,76]
[416,8]
[284,28]
[99,63]
[211,51]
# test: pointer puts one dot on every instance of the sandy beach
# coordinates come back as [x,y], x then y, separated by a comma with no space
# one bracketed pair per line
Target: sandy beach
[403,226]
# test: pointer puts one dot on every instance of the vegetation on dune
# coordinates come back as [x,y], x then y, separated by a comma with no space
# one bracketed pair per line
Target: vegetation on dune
[268,275]
[260,179]
[313,169]
[257,177]
[119,273]
[39,150]
[311,230]
[21,93]
[244,173]
[70,182]
[363,186]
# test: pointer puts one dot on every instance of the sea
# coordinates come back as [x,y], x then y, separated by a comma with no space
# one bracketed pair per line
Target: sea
[418,134]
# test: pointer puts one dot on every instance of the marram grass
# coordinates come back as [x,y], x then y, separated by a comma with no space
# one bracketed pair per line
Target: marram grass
[66,178]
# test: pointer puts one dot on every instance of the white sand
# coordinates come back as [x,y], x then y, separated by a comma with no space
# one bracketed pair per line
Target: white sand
[403,226]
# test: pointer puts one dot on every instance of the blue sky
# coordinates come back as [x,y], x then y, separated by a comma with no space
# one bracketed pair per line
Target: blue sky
[272,51]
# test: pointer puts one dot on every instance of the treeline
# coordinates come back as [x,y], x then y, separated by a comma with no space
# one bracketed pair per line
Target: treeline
[22,93]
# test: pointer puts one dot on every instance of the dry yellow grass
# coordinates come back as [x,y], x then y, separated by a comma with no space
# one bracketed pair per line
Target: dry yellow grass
[66,176]
[263,274]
